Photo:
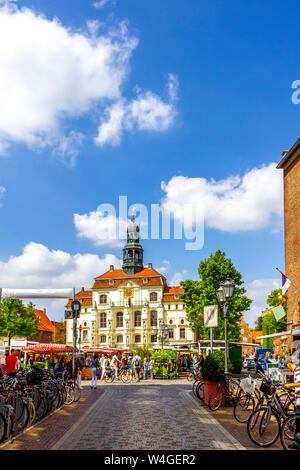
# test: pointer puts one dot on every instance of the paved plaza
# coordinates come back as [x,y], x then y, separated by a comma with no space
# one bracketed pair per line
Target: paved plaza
[160,416]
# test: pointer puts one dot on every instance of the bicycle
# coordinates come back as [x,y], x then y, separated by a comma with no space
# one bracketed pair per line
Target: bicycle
[226,391]
[264,423]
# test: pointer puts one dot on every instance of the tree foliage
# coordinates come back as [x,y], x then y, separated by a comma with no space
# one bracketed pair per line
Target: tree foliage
[60,332]
[16,320]
[269,323]
[214,271]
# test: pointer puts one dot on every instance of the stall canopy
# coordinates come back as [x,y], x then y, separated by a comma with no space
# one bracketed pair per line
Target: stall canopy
[105,350]
[44,347]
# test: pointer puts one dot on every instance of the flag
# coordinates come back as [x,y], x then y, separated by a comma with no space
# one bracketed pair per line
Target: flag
[285,283]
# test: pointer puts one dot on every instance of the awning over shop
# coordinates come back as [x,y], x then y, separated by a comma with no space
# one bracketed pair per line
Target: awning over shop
[45,347]
[105,350]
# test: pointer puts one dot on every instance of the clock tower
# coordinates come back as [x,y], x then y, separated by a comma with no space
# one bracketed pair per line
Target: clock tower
[133,251]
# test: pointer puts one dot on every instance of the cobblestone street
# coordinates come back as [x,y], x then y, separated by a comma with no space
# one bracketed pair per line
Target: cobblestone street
[130,417]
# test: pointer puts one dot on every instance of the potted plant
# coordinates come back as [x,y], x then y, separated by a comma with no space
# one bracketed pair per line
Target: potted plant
[211,367]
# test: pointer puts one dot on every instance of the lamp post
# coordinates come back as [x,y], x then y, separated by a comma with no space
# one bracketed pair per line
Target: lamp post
[76,307]
[224,294]
[163,329]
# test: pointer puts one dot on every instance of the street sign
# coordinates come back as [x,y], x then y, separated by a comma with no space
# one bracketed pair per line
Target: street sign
[211,316]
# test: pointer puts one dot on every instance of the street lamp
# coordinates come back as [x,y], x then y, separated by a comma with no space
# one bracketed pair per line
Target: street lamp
[163,330]
[224,294]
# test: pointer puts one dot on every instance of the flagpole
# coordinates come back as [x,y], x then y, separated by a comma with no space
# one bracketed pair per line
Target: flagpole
[292,284]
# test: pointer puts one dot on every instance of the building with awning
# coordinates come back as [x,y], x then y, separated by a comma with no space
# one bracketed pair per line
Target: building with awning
[290,164]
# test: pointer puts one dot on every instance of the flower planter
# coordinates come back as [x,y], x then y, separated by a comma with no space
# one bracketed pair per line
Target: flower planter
[209,387]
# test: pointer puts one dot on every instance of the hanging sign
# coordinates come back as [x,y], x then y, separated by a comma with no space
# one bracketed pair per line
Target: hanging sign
[211,316]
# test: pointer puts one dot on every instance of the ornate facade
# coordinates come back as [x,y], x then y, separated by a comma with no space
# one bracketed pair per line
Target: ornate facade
[126,307]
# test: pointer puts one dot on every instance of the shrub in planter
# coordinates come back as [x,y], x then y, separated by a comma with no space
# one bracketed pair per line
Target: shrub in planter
[211,366]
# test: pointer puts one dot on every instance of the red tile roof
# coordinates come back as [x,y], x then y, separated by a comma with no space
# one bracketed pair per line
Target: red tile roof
[170,292]
[119,273]
[119,276]
[45,323]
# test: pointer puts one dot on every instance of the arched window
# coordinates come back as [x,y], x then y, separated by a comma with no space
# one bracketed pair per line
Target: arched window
[103,320]
[130,254]
[120,320]
[153,296]
[153,318]
[102,339]
[137,319]
[119,339]
[103,299]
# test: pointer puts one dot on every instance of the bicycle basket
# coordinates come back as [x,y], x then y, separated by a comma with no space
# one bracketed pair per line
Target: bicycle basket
[266,389]
[248,385]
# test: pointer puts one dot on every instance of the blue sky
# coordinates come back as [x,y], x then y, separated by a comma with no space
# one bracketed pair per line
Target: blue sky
[199,90]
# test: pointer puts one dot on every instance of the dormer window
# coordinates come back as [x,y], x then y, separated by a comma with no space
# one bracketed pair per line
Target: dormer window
[111,282]
[145,280]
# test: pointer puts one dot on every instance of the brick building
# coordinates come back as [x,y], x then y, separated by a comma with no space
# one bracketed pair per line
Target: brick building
[290,164]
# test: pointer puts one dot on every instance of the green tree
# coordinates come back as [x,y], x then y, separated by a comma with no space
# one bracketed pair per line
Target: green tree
[269,324]
[214,271]
[258,324]
[16,320]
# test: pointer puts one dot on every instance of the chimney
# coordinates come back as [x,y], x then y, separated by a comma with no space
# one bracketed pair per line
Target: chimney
[82,289]
[111,268]
[150,265]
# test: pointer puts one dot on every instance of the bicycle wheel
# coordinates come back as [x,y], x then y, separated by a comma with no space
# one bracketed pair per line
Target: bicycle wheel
[288,402]
[287,432]
[24,420]
[263,426]
[243,408]
[32,413]
[70,395]
[200,390]
[216,399]
[77,393]
[124,376]
[194,388]
[3,428]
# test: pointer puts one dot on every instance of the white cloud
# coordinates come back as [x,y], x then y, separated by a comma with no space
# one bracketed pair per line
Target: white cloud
[147,112]
[164,267]
[178,277]
[51,74]
[236,204]
[103,3]
[258,290]
[39,267]
[2,192]
[101,228]
[67,147]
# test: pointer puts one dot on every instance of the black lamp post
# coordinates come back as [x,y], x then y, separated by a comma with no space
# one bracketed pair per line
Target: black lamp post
[224,294]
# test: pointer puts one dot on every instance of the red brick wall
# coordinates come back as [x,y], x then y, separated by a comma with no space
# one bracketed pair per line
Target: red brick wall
[292,233]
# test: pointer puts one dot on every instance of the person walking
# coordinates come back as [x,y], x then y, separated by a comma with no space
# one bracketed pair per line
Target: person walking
[95,371]
[102,359]
[114,364]
[151,367]
[137,366]
[11,363]
[145,368]
[78,371]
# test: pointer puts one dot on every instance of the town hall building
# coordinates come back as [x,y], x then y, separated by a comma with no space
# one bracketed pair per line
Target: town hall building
[131,307]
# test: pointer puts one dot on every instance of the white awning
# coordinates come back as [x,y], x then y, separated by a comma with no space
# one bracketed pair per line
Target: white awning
[274,335]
